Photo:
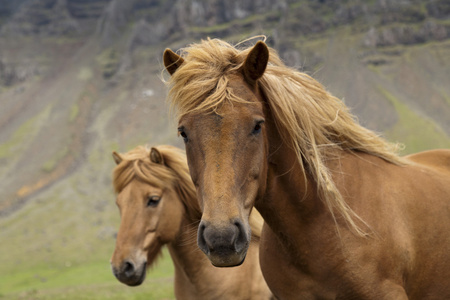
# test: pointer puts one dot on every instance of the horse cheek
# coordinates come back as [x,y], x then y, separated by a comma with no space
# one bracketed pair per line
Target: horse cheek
[170,221]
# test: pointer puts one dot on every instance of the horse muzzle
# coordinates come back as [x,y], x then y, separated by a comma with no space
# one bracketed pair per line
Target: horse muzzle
[225,246]
[129,273]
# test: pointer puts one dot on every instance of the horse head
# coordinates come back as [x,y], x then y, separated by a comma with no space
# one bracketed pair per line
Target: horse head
[151,213]
[227,151]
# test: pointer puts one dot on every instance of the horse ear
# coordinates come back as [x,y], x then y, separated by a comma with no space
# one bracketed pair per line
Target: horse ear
[155,156]
[117,158]
[172,61]
[256,62]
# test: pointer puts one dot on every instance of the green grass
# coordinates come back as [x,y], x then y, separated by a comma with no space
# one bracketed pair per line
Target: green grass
[20,138]
[445,96]
[74,112]
[92,280]
[50,164]
[85,74]
[415,132]
[58,246]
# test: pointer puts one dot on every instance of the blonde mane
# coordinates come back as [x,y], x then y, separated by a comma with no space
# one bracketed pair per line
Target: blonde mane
[317,125]
[174,174]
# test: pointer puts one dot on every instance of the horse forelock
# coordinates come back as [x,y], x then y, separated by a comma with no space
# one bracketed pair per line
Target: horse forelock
[201,83]
[174,174]
[317,125]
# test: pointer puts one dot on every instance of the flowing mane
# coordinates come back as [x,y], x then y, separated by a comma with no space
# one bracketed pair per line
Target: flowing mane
[136,164]
[317,125]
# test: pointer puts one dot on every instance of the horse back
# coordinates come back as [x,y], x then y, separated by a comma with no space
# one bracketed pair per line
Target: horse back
[438,160]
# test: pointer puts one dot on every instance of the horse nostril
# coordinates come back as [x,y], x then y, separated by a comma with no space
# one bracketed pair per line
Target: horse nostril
[128,268]
[241,241]
[238,224]
[201,242]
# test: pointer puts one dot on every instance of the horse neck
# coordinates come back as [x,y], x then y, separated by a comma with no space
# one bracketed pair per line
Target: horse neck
[290,193]
[189,262]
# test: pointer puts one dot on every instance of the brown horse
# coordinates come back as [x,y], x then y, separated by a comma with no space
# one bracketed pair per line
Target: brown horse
[345,216]
[158,207]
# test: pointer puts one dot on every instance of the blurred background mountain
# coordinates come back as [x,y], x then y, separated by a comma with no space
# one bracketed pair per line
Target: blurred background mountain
[81,78]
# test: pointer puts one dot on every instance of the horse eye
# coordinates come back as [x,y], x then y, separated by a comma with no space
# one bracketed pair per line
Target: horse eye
[183,134]
[153,201]
[257,128]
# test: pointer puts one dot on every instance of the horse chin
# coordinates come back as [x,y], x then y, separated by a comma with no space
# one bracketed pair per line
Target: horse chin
[138,281]
[135,279]
[234,260]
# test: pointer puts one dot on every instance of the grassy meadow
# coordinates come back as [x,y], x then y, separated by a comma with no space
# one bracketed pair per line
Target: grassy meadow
[58,245]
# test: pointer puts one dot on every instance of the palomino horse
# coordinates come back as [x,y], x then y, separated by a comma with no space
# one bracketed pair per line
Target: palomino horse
[158,207]
[345,216]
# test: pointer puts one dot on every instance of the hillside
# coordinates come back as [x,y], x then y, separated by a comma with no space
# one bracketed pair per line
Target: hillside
[79,79]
